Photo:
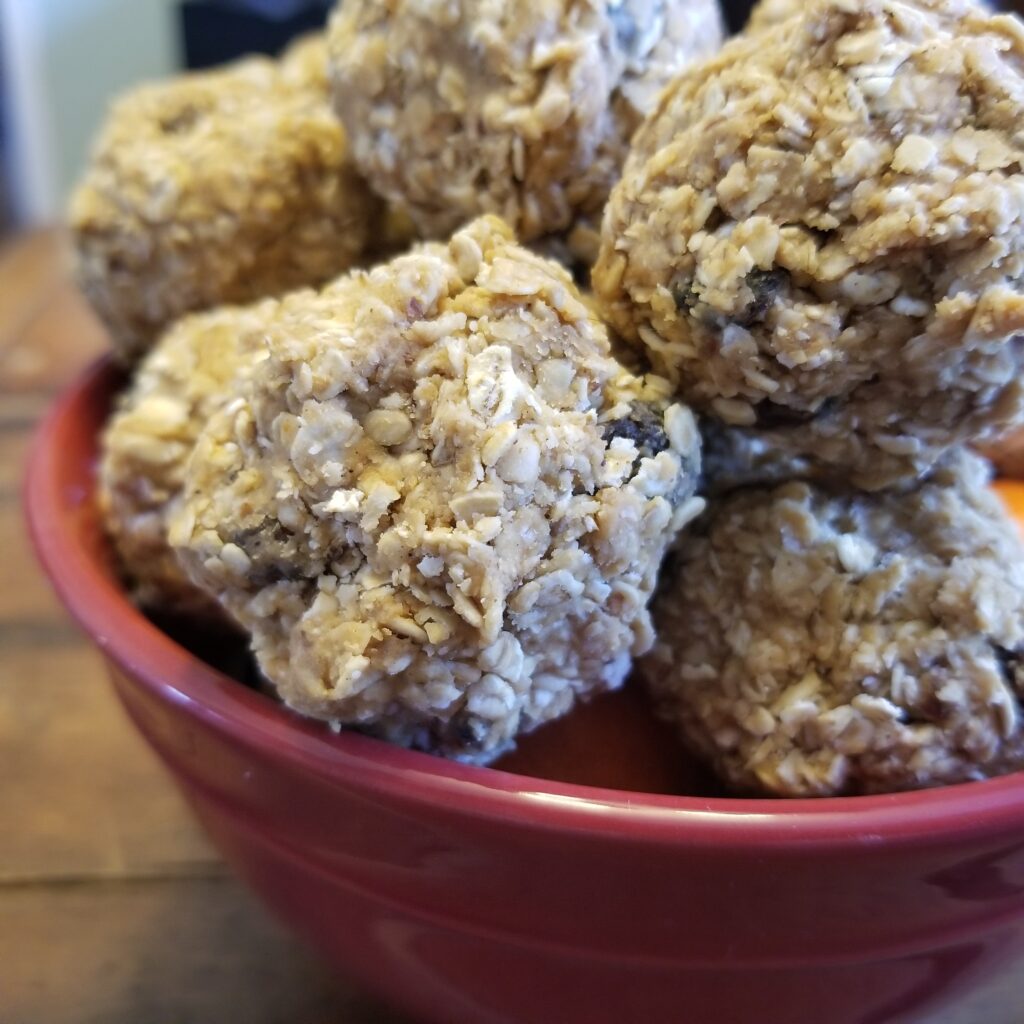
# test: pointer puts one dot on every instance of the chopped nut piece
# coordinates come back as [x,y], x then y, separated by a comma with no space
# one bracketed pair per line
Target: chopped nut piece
[388,427]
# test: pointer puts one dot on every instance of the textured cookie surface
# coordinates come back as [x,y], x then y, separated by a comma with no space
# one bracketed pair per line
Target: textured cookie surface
[820,644]
[191,372]
[769,13]
[819,234]
[441,506]
[523,108]
[218,187]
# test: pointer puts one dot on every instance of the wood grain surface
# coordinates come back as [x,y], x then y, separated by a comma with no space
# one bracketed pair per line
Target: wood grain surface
[113,907]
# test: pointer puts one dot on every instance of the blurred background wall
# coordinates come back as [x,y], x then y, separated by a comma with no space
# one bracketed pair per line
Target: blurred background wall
[61,62]
[64,59]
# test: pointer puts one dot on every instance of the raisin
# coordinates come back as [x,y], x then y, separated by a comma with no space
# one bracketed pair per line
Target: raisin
[765,285]
[467,733]
[267,575]
[1010,662]
[461,732]
[271,549]
[683,295]
[643,427]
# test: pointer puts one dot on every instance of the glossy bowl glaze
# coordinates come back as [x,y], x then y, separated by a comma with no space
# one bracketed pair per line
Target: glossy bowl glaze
[476,895]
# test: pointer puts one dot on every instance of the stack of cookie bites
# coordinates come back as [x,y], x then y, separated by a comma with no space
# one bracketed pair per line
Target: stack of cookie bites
[818,239]
[428,491]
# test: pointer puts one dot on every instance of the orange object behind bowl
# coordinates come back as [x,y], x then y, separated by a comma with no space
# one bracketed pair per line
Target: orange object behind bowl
[1011,493]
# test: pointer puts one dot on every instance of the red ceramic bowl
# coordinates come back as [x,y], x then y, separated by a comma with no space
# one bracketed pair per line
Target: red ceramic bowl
[471,894]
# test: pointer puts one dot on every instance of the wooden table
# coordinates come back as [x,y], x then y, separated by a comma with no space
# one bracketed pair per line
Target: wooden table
[113,908]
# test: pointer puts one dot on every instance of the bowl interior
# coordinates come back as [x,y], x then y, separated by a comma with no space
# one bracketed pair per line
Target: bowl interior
[638,769]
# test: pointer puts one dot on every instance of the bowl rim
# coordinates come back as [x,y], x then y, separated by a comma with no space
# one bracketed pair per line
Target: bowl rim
[152,660]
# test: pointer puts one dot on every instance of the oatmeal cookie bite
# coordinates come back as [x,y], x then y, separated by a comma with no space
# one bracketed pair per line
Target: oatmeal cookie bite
[440,506]
[522,109]
[818,643]
[769,13]
[818,234]
[219,187]
[191,372]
